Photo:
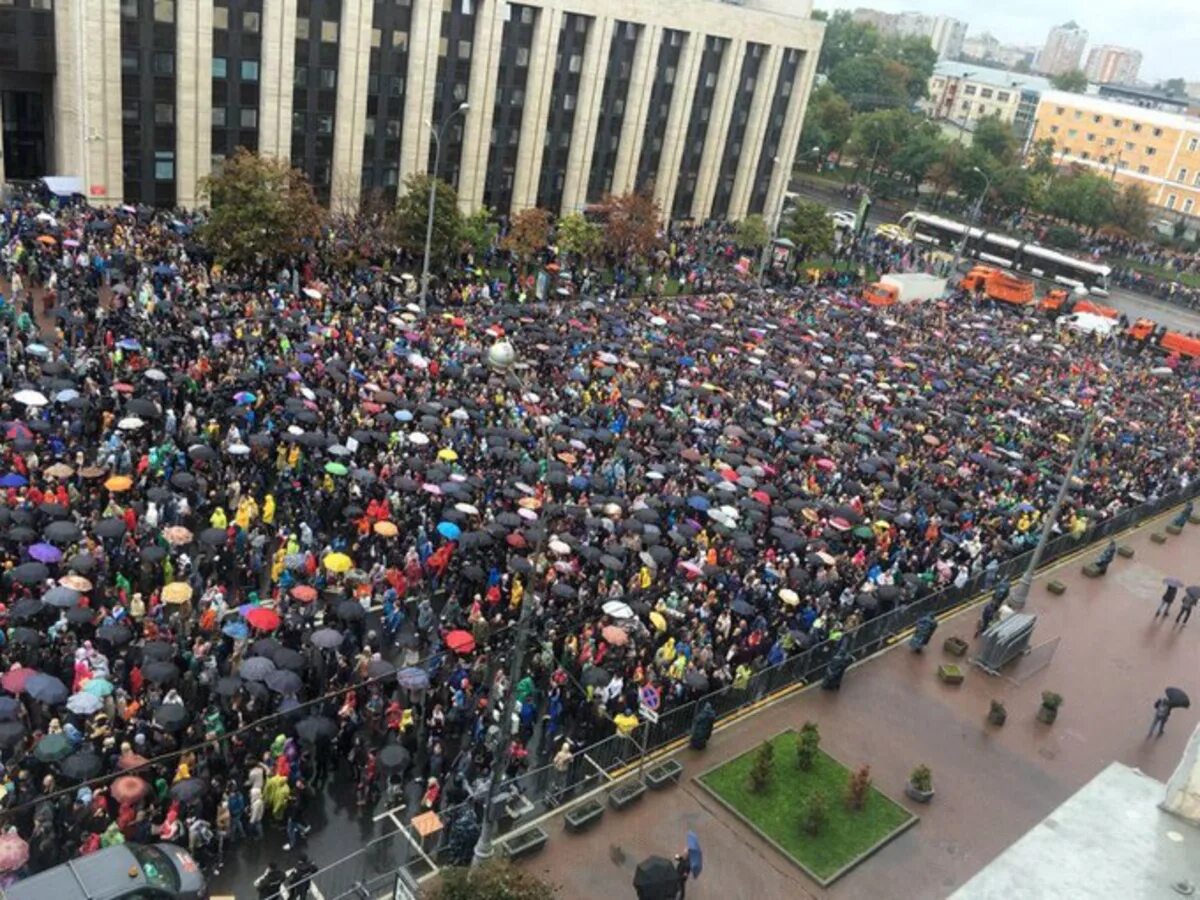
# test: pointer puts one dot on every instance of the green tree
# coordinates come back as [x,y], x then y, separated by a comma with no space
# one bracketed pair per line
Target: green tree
[752,232]
[922,148]
[808,742]
[995,138]
[631,224]
[411,213]
[918,57]
[497,879]
[1074,81]
[828,123]
[871,82]
[263,210]
[1012,188]
[763,768]
[1082,198]
[845,39]
[1174,87]
[878,137]
[808,227]
[1041,158]
[579,237]
[815,815]
[478,231]
[528,234]
[1131,210]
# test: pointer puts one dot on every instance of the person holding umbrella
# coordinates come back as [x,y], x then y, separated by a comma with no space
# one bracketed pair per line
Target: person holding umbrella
[1187,604]
[1168,597]
[1171,699]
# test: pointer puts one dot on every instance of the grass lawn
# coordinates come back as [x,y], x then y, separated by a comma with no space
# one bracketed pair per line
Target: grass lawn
[776,812]
[1188,278]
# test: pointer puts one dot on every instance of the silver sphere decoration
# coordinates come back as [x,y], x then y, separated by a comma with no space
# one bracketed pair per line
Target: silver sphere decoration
[501,356]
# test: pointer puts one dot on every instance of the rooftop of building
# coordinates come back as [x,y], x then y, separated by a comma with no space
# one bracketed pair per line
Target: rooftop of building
[1002,78]
[1121,109]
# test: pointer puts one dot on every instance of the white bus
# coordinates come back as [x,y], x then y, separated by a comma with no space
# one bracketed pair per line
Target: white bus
[1007,252]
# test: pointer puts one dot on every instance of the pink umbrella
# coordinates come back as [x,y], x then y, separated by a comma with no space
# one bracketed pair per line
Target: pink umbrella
[14,679]
[618,637]
[14,852]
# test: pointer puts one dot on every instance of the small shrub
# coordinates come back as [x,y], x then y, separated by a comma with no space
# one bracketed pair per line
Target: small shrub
[807,744]
[764,763]
[858,787]
[997,713]
[921,778]
[1051,700]
[816,814]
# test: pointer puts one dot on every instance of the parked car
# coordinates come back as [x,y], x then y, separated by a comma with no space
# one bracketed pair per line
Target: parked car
[893,233]
[141,871]
[844,218]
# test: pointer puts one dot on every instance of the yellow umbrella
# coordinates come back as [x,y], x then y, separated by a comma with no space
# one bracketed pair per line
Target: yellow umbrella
[658,621]
[789,597]
[338,563]
[387,529]
[177,592]
[447,454]
[118,483]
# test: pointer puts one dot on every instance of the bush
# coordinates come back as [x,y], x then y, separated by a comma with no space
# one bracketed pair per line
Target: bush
[807,744]
[1051,700]
[921,778]
[858,788]
[764,763]
[1062,237]
[816,814]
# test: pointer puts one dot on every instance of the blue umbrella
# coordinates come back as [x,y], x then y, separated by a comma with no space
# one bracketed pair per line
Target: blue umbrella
[698,501]
[45,553]
[46,688]
[13,480]
[129,344]
[236,630]
[84,704]
[695,857]
[413,678]
[256,668]
[449,531]
[404,416]
[579,483]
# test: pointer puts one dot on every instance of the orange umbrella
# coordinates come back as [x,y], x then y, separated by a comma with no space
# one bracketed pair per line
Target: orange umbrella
[119,483]
[386,529]
[305,593]
[47,240]
[128,789]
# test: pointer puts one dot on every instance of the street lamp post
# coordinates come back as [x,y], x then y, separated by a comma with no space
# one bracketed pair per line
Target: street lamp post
[438,135]
[769,246]
[975,211]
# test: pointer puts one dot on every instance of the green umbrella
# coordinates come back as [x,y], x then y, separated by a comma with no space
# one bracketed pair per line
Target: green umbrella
[52,748]
[863,532]
[861,439]
[335,468]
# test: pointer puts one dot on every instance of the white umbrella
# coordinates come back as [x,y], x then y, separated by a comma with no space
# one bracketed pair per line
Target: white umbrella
[30,398]
[617,610]
[467,508]
[238,449]
[559,548]
[156,374]
[130,423]
[419,438]
[312,293]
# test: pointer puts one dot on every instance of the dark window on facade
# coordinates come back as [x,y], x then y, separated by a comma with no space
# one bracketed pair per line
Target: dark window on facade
[148,86]
[27,67]
[669,52]
[698,126]
[314,94]
[237,91]
[611,115]
[564,98]
[507,114]
[455,52]
[793,59]
[391,23]
[731,156]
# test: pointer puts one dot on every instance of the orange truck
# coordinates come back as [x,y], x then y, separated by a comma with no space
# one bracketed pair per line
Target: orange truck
[996,284]
[1060,302]
[1148,332]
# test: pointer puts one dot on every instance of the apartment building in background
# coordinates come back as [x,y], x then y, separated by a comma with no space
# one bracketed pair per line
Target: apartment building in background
[1129,144]
[566,100]
[945,34]
[986,48]
[962,93]
[1063,50]
[1107,64]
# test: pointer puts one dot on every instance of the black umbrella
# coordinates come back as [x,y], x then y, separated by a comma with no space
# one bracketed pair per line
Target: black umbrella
[256,668]
[110,528]
[156,651]
[392,758]
[188,790]
[46,689]
[287,658]
[117,635]
[596,676]
[1178,698]
[213,536]
[229,685]
[282,681]
[29,573]
[81,766]
[61,597]
[316,728]
[656,879]
[62,532]
[26,637]
[350,611]
[80,615]
[171,717]
[160,672]
[326,638]
[11,732]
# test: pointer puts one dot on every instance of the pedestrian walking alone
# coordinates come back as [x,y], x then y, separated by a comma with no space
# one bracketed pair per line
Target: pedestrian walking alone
[683,869]
[299,879]
[1162,712]
[1185,608]
[1168,597]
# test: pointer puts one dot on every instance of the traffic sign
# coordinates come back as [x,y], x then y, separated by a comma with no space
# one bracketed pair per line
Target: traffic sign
[650,697]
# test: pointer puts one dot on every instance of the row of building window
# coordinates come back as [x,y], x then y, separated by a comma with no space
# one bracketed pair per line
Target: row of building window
[1097,119]
[44,5]
[328,31]
[986,93]
[251,21]
[248,117]
[1188,203]
[248,68]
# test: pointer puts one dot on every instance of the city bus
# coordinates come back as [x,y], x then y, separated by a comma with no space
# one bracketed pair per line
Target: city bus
[1007,252]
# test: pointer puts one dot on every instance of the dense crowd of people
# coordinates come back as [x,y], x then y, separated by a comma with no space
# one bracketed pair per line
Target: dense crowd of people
[264,535]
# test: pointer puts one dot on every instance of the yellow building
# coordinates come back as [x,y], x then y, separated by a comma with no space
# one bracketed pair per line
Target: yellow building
[1158,150]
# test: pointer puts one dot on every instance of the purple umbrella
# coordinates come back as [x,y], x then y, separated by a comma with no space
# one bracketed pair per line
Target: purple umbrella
[45,553]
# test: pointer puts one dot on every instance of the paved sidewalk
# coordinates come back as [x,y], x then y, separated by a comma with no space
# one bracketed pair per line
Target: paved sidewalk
[993,784]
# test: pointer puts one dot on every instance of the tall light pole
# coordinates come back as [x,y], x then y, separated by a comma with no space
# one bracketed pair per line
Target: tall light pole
[769,246]
[975,210]
[438,135]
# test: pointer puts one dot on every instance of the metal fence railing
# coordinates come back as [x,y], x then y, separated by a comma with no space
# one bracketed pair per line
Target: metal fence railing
[370,872]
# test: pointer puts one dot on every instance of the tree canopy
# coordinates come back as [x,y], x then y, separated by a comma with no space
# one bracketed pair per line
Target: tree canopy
[528,233]
[752,232]
[631,224]
[263,211]
[1074,81]
[496,879]
[808,227]
[579,237]
[411,213]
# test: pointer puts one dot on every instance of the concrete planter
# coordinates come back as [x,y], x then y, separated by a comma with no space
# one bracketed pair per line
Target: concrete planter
[626,795]
[1125,551]
[1158,537]
[583,816]
[955,646]
[1175,530]
[914,793]
[663,775]
[950,674]
[526,843]
[1056,587]
[1047,714]
[1091,570]
[1194,518]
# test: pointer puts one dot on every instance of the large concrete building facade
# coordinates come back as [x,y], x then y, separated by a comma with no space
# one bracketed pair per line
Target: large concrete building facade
[566,100]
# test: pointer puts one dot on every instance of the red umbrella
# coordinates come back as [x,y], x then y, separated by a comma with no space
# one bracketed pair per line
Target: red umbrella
[460,641]
[305,593]
[618,637]
[128,789]
[131,761]
[762,497]
[14,679]
[14,852]
[263,619]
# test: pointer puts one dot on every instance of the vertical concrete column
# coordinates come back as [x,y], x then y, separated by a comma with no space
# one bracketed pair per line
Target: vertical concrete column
[587,108]
[792,123]
[277,76]
[537,107]
[481,95]
[728,85]
[349,133]
[637,108]
[756,130]
[423,38]
[666,180]
[193,98]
